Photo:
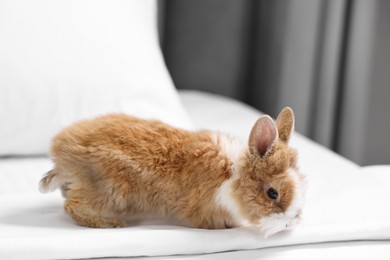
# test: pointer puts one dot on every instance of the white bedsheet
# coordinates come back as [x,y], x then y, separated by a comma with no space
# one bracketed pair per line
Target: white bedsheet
[344,203]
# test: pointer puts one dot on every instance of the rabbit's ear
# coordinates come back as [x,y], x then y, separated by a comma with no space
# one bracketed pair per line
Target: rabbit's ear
[285,124]
[263,135]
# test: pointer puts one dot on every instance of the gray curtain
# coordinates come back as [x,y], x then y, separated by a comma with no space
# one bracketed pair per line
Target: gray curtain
[329,60]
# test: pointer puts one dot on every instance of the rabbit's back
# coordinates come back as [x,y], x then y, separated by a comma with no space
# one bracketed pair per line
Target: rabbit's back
[123,165]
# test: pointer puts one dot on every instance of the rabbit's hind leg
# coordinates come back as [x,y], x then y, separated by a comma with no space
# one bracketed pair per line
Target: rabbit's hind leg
[84,215]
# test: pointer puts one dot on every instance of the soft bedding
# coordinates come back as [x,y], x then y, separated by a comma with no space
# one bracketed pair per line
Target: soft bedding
[344,203]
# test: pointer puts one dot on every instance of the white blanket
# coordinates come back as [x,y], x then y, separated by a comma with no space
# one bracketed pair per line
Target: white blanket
[347,203]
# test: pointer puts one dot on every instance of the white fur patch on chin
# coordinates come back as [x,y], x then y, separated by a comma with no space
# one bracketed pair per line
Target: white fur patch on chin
[277,222]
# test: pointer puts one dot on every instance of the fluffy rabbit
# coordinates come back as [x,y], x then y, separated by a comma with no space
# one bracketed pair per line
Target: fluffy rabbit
[116,168]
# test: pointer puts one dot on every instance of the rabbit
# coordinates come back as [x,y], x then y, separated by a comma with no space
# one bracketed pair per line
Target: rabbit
[118,168]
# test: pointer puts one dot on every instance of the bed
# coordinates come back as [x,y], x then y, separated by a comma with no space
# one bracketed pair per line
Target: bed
[34,225]
[346,212]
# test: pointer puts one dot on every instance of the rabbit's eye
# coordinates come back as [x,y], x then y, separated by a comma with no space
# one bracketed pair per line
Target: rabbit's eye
[272,193]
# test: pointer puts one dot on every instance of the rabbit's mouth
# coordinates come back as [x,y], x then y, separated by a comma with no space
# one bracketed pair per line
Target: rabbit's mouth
[277,222]
[292,222]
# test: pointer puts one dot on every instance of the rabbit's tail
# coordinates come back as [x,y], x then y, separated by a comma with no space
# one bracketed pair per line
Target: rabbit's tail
[50,181]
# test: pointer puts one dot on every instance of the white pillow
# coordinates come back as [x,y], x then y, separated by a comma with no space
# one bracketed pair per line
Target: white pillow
[65,60]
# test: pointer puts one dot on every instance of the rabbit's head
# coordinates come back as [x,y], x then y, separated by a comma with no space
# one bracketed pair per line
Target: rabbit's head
[270,188]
